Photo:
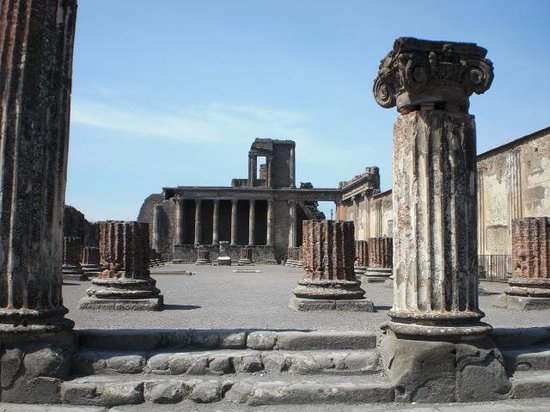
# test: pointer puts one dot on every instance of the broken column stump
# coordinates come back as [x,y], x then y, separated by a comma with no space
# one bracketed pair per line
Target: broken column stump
[380,262]
[435,348]
[125,284]
[245,256]
[72,253]
[203,257]
[36,45]
[90,261]
[529,287]
[329,281]
[361,257]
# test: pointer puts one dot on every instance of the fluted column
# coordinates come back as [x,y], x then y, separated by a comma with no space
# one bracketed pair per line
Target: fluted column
[36,46]
[72,254]
[234,215]
[252,223]
[215,222]
[198,234]
[329,281]
[380,259]
[179,220]
[434,184]
[156,227]
[126,284]
[361,256]
[270,223]
[292,224]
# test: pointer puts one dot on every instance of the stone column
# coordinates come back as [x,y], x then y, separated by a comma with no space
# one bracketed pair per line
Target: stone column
[179,220]
[72,253]
[36,44]
[252,166]
[292,223]
[361,257]
[198,203]
[203,257]
[234,206]
[292,167]
[125,284]
[90,261]
[36,50]
[434,184]
[436,349]
[252,223]
[380,260]
[215,222]
[530,284]
[329,281]
[156,227]
[245,256]
[270,223]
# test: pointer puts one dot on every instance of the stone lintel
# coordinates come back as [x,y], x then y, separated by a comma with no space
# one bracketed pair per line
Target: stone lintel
[432,74]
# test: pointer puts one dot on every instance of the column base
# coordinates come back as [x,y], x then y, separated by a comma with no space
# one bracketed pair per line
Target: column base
[329,289]
[377,275]
[529,287]
[444,371]
[359,270]
[458,326]
[15,321]
[514,302]
[224,261]
[350,305]
[202,262]
[245,262]
[150,304]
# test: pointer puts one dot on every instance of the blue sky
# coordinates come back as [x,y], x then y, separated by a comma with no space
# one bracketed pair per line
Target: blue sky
[173,92]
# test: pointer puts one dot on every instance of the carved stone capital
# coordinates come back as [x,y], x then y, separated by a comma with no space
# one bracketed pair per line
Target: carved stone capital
[439,74]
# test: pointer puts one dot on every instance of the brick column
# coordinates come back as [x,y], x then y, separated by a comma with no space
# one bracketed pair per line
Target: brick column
[72,253]
[380,261]
[361,256]
[36,45]
[125,284]
[90,261]
[530,283]
[329,281]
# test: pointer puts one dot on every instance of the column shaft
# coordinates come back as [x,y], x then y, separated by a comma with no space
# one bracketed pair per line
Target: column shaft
[270,222]
[155,230]
[234,206]
[179,219]
[36,46]
[292,224]
[215,222]
[252,223]
[198,233]
[292,167]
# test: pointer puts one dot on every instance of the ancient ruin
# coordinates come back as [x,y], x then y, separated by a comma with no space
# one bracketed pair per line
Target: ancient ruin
[90,261]
[245,257]
[72,254]
[380,259]
[329,281]
[361,256]
[530,285]
[263,212]
[125,283]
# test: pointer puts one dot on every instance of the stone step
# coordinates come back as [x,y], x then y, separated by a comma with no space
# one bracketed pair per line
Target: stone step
[536,357]
[158,339]
[225,361]
[531,384]
[111,391]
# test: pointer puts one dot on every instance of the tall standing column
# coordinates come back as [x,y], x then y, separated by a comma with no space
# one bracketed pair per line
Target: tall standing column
[292,167]
[36,50]
[198,203]
[252,223]
[179,220]
[292,224]
[234,215]
[435,318]
[156,227]
[215,222]
[270,222]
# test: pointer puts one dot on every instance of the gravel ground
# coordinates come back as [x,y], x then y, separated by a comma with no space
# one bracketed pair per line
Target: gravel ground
[216,298]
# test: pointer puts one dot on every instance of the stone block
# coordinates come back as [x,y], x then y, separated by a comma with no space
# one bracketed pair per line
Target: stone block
[350,305]
[232,340]
[166,392]
[521,302]
[221,366]
[150,304]
[126,363]
[207,392]
[199,366]
[80,392]
[248,364]
[325,340]
[179,363]
[275,362]
[205,339]
[261,340]
[531,385]
[159,364]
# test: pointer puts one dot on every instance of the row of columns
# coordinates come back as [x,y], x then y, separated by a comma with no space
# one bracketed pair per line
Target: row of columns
[179,222]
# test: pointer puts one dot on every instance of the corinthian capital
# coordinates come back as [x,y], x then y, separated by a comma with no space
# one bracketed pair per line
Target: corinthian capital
[439,73]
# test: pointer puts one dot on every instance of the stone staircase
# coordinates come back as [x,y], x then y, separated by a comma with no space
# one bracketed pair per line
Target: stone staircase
[239,367]
[527,357]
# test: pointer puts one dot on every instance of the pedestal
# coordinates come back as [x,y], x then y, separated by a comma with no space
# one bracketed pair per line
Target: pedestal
[245,256]
[203,257]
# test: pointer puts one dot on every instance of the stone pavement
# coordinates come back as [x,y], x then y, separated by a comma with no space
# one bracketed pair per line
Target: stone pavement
[215,297]
[521,405]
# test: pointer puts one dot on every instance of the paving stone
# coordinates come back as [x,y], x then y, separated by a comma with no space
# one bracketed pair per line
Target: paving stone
[205,339]
[207,392]
[90,393]
[248,363]
[235,340]
[126,363]
[221,365]
[199,366]
[261,340]
[166,392]
[159,363]
[179,363]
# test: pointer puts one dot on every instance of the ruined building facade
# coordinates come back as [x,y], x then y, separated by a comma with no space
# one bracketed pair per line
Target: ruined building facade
[513,181]
[263,211]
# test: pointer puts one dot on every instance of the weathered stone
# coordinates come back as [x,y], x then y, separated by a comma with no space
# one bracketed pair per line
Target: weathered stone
[179,363]
[159,363]
[126,363]
[245,256]
[261,340]
[126,284]
[531,385]
[80,392]
[72,252]
[275,362]
[221,366]
[233,340]
[205,339]
[240,392]
[325,340]
[199,366]
[248,363]
[207,392]
[203,257]
[90,261]
[166,392]
[380,261]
